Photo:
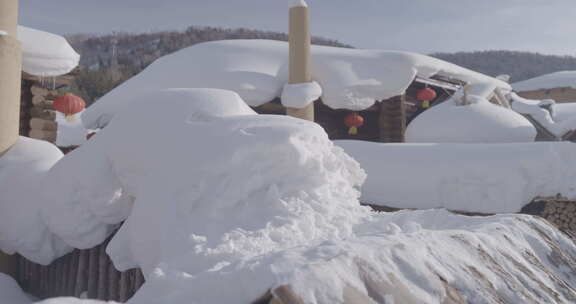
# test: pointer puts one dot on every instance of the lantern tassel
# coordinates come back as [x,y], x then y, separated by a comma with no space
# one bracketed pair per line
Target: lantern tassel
[426,104]
[353,131]
[70,118]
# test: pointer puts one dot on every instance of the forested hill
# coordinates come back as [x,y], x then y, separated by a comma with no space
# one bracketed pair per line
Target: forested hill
[134,52]
[519,65]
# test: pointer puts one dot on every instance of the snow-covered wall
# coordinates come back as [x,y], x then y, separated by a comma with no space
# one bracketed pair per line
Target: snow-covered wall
[257,70]
[486,178]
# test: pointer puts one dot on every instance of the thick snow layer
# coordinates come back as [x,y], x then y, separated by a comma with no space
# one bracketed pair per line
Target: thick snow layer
[23,171]
[46,54]
[477,122]
[543,116]
[258,70]
[70,133]
[564,79]
[301,94]
[487,178]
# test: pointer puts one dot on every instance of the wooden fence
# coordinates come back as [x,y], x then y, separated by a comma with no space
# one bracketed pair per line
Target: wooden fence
[81,273]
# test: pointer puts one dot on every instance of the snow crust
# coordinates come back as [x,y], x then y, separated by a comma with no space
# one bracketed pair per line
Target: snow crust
[258,70]
[563,79]
[486,178]
[301,94]
[23,171]
[477,122]
[45,54]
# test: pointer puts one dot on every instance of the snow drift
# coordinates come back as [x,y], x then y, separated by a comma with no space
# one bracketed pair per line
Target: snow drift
[258,70]
[45,54]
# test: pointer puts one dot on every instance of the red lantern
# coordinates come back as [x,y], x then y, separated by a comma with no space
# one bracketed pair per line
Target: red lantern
[69,104]
[425,96]
[353,121]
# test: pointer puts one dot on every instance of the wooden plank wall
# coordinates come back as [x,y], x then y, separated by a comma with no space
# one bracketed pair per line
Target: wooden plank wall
[81,273]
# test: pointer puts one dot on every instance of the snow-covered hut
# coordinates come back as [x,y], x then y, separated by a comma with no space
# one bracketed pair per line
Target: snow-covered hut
[344,81]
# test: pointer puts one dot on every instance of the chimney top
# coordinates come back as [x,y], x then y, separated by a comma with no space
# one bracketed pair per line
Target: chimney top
[299,3]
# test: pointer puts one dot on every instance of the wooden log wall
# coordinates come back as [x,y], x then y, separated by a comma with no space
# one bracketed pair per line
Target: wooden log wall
[42,122]
[392,120]
[81,273]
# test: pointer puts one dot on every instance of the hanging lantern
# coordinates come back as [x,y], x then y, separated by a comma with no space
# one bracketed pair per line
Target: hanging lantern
[425,96]
[353,121]
[69,104]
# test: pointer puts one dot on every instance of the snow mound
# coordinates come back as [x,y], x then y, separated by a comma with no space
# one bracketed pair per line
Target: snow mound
[258,70]
[46,54]
[486,178]
[477,122]
[10,292]
[563,79]
[23,171]
[102,196]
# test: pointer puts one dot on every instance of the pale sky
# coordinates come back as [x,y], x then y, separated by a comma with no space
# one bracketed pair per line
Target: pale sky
[546,26]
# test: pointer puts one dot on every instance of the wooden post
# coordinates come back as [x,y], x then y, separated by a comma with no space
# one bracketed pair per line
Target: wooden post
[300,58]
[10,75]
[393,119]
[10,81]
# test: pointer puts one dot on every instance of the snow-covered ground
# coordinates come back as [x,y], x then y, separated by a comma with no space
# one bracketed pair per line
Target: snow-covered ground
[215,196]
[258,70]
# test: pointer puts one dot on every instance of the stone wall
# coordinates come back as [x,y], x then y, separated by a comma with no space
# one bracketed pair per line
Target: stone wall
[560,212]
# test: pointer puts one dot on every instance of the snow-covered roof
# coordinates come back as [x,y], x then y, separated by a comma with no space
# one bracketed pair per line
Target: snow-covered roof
[564,79]
[258,70]
[477,122]
[46,54]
